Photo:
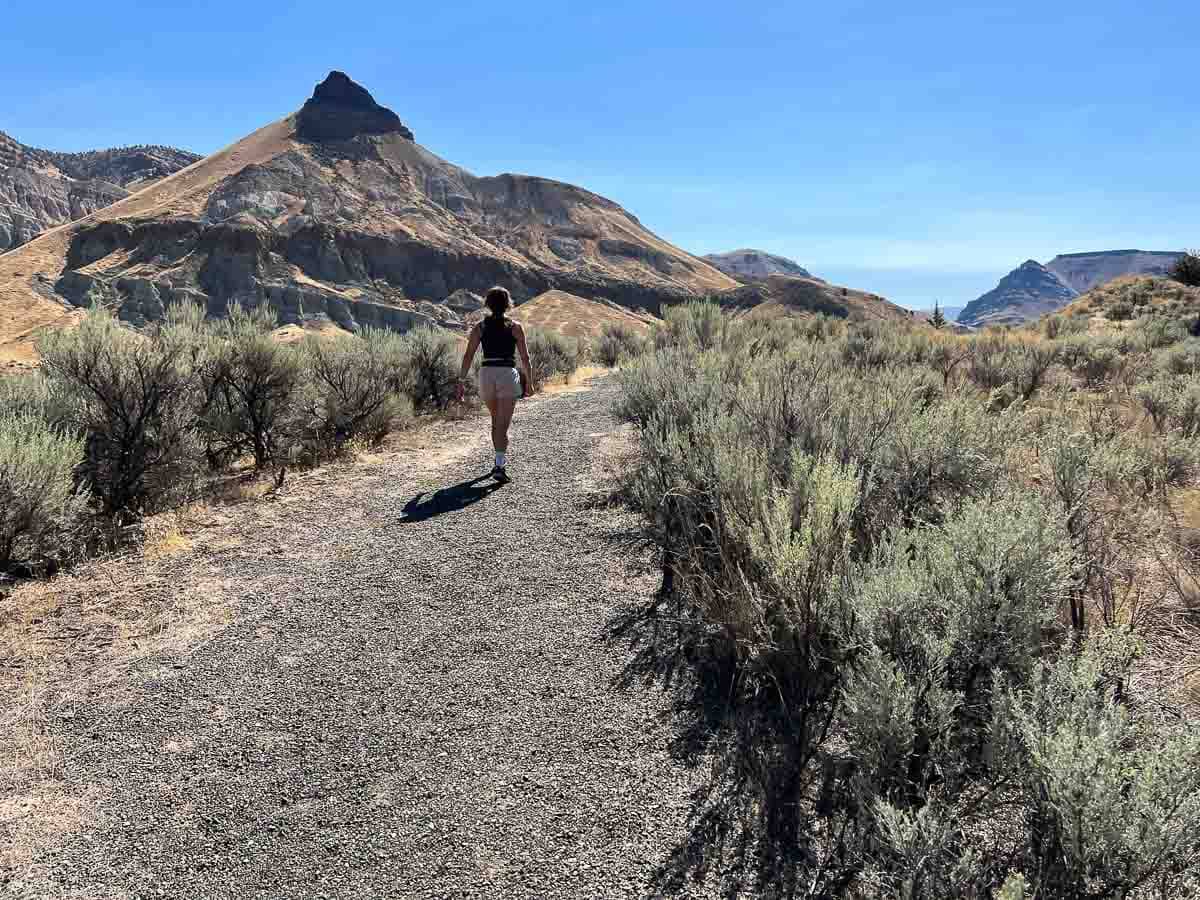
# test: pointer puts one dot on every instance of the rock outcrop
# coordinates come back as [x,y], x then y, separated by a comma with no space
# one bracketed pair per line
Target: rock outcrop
[335,214]
[1033,289]
[755,265]
[40,189]
[339,109]
[1028,291]
[1084,271]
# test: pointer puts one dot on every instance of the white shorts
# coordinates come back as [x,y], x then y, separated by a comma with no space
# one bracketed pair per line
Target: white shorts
[499,383]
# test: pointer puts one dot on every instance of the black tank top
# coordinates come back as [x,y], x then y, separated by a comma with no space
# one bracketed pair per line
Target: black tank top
[499,342]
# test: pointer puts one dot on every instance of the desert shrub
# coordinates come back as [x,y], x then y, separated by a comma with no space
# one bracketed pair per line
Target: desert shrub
[1112,799]
[1181,359]
[1186,269]
[844,530]
[697,324]
[432,359]
[1172,403]
[1153,331]
[1156,397]
[135,400]
[1144,466]
[1058,325]
[550,354]
[1120,311]
[32,394]
[1095,361]
[618,343]
[248,382]
[39,504]
[873,345]
[987,366]
[350,392]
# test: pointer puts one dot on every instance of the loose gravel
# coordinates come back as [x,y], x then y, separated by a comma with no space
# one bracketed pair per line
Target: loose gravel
[416,697]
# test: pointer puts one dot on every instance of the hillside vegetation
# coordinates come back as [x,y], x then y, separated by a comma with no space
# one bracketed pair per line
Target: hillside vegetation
[940,598]
[119,423]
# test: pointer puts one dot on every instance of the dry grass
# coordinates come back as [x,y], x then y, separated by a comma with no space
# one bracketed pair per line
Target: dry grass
[574,383]
[72,638]
[577,317]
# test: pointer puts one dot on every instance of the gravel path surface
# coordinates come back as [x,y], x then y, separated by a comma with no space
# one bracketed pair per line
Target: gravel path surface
[416,697]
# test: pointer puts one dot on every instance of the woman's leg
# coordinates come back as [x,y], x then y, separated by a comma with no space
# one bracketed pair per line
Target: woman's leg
[501,419]
[493,403]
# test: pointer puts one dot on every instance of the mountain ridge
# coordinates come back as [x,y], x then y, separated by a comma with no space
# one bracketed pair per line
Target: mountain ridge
[42,189]
[747,264]
[1027,291]
[354,230]
[1033,289]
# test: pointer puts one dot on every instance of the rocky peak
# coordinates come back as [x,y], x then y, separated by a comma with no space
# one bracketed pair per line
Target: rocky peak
[341,109]
[755,265]
[1028,291]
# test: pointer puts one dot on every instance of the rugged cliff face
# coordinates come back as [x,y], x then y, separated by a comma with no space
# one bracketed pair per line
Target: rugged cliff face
[1084,271]
[755,265]
[1032,290]
[335,213]
[1028,291]
[40,190]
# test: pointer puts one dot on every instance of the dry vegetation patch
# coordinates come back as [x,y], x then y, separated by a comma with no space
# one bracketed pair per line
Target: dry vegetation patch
[943,589]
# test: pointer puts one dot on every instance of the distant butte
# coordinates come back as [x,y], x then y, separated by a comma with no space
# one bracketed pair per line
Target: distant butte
[341,109]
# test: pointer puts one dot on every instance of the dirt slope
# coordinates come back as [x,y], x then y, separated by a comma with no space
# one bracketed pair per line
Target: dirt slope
[782,295]
[408,689]
[577,317]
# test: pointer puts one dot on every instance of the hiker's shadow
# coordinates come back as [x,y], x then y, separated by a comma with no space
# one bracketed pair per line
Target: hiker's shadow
[426,505]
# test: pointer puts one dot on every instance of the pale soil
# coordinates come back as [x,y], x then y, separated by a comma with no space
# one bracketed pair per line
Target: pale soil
[576,317]
[382,680]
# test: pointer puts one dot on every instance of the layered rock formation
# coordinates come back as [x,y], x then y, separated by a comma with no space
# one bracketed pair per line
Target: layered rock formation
[335,214]
[1032,290]
[1084,271]
[755,265]
[1028,291]
[40,189]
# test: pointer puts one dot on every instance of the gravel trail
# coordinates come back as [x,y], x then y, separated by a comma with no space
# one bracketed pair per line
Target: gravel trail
[415,697]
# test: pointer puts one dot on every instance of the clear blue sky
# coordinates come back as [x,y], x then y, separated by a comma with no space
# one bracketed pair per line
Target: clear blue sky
[917,150]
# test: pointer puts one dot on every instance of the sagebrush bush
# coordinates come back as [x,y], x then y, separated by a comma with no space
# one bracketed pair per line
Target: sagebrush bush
[618,343]
[134,400]
[352,391]
[247,382]
[35,395]
[901,569]
[1121,311]
[1186,269]
[550,354]
[432,359]
[696,324]
[39,503]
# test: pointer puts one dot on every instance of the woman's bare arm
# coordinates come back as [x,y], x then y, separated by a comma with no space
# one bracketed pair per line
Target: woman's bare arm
[468,358]
[523,349]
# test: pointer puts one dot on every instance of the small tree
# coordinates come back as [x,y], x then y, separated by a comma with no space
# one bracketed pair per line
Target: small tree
[1187,269]
[937,320]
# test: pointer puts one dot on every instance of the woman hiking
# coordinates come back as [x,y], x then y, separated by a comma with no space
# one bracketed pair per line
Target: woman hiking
[500,384]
